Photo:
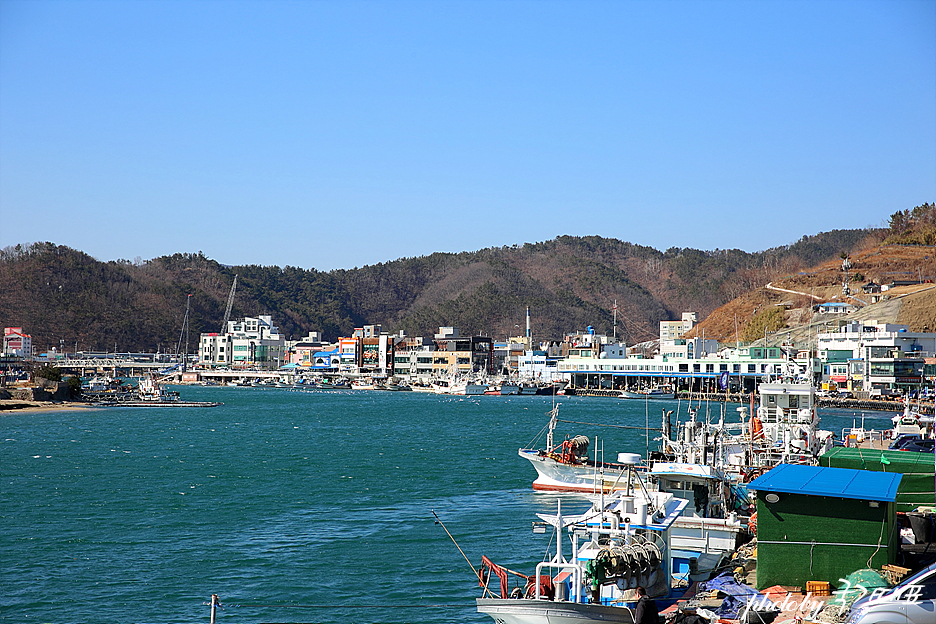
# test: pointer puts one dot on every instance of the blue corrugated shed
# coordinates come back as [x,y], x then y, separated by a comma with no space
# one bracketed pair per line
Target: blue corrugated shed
[838,482]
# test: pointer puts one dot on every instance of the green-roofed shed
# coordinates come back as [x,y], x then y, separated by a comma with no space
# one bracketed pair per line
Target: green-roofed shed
[918,486]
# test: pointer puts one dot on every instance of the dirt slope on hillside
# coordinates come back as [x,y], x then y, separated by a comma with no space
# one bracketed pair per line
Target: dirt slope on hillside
[913,305]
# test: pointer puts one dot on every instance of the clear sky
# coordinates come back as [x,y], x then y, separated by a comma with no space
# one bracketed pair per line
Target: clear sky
[337,134]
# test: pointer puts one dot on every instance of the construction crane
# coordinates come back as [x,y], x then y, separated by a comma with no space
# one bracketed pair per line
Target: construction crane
[227,311]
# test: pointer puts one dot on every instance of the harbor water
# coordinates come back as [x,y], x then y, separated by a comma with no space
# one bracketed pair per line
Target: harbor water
[291,506]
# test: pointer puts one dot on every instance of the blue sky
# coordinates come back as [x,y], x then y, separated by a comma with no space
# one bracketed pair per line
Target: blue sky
[337,134]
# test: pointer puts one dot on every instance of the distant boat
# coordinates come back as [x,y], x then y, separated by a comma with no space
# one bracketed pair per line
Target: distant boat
[151,393]
[475,389]
[509,388]
[649,393]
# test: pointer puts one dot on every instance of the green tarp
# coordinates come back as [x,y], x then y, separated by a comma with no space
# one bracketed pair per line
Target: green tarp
[918,486]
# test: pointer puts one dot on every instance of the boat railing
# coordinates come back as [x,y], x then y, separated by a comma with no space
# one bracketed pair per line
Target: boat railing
[575,578]
[859,435]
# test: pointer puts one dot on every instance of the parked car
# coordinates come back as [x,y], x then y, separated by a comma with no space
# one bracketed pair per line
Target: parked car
[920,446]
[902,439]
[912,601]
[845,394]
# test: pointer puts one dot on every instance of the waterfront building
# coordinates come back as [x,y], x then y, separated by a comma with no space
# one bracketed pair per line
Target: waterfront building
[734,368]
[412,356]
[539,364]
[348,355]
[376,349]
[875,357]
[456,354]
[17,343]
[248,342]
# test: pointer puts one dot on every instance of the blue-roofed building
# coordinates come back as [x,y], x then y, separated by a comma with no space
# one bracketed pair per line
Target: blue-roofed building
[822,524]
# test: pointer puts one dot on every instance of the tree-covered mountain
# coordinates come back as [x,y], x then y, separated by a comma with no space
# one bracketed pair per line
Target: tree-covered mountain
[61,295]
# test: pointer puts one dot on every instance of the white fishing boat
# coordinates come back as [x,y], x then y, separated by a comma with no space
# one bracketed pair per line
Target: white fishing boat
[649,393]
[621,543]
[785,427]
[911,422]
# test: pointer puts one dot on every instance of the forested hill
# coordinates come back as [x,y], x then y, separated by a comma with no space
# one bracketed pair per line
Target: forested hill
[60,294]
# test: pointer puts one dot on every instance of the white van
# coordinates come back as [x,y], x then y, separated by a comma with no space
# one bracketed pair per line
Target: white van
[912,601]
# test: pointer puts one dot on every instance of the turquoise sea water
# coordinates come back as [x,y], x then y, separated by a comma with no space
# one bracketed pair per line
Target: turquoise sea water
[292,507]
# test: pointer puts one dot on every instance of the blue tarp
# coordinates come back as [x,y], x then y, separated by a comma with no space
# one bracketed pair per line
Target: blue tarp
[737,597]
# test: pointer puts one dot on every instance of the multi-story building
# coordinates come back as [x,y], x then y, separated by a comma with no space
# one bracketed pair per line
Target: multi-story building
[249,342]
[671,330]
[17,343]
[412,356]
[456,354]
[874,357]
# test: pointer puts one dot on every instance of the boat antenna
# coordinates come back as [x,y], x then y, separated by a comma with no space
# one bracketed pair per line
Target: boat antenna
[476,573]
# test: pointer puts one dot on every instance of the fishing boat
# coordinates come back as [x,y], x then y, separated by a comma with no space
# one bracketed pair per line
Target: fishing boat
[509,387]
[475,388]
[621,543]
[649,393]
[911,422]
[151,393]
[783,429]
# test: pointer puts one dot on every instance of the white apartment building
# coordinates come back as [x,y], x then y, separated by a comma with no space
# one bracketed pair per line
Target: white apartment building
[249,342]
[875,356]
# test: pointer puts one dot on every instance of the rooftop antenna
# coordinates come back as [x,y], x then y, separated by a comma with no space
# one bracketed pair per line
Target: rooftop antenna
[227,311]
[615,321]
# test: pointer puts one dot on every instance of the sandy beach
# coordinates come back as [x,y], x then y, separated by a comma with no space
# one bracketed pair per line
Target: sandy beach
[9,406]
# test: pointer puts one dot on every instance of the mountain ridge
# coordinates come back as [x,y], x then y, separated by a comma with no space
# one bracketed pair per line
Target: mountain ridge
[63,296]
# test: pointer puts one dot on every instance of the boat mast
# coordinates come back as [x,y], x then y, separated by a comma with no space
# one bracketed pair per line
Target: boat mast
[553,414]
[227,311]
[185,355]
[185,333]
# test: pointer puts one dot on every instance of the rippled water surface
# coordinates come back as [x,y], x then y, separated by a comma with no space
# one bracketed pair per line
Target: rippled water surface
[292,507]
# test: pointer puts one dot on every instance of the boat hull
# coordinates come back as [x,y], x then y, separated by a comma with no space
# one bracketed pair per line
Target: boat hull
[626,394]
[532,611]
[553,476]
